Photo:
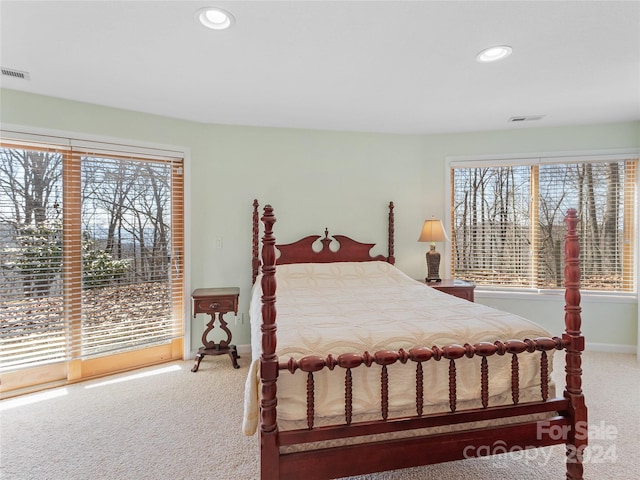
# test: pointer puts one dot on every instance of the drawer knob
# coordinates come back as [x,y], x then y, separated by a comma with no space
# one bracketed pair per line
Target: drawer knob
[214,305]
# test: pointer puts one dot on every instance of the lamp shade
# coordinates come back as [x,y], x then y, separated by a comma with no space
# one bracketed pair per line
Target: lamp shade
[433,231]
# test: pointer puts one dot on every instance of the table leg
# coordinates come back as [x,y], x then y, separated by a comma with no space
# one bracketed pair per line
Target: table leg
[233,353]
[198,360]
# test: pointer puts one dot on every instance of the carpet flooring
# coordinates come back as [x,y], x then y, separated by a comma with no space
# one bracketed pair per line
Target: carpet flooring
[166,422]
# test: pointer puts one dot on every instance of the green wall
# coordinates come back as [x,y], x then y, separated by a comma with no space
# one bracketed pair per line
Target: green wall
[318,179]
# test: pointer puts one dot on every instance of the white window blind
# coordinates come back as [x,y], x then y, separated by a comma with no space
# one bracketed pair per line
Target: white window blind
[127,255]
[491,225]
[508,229]
[32,326]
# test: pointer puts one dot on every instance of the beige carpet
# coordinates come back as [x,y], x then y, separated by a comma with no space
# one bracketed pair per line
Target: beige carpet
[175,424]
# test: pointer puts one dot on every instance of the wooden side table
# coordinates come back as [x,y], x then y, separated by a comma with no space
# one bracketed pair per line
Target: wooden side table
[455,287]
[216,301]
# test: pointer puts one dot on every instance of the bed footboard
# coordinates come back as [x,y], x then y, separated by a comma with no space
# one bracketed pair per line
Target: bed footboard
[420,356]
[567,413]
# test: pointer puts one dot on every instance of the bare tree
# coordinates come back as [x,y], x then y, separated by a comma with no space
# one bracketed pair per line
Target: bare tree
[30,190]
[132,199]
[610,222]
[592,215]
[30,182]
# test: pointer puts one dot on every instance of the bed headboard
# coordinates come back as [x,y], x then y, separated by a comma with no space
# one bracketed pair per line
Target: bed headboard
[302,250]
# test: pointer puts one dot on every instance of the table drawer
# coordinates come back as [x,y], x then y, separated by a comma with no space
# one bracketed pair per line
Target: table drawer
[215,300]
[216,304]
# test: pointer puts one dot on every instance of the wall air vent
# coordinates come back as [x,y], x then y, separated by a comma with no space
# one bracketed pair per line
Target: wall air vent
[525,118]
[10,72]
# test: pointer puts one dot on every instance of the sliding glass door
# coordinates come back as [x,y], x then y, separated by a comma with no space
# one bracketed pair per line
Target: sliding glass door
[91,249]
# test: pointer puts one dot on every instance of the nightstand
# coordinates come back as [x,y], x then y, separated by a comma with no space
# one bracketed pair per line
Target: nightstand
[455,287]
[216,302]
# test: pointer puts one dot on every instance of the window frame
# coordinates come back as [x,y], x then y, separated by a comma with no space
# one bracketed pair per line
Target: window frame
[489,160]
[29,136]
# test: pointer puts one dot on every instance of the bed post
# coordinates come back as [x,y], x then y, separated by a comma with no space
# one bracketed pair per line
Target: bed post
[255,260]
[577,439]
[269,449]
[391,259]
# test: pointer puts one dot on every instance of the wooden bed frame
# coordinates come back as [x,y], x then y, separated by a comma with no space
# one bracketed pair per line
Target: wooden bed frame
[566,423]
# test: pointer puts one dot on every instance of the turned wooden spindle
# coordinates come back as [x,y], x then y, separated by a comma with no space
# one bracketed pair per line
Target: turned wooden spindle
[453,352]
[515,346]
[515,379]
[419,355]
[311,364]
[544,345]
[255,260]
[484,349]
[391,258]
[575,346]
[348,397]
[310,400]
[384,392]
[544,376]
[268,359]
[452,385]
[384,358]
[348,361]
[419,390]
[484,382]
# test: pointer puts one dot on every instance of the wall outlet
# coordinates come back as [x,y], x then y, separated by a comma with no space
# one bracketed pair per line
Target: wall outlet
[217,242]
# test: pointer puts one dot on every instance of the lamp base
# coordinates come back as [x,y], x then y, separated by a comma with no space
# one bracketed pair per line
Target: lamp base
[433,266]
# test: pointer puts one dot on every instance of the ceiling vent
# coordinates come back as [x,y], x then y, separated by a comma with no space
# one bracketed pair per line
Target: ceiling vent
[9,72]
[525,118]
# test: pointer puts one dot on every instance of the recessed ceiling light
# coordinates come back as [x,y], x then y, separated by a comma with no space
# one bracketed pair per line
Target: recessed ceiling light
[215,18]
[492,54]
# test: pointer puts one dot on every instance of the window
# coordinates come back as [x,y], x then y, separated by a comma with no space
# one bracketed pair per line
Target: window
[507,221]
[91,247]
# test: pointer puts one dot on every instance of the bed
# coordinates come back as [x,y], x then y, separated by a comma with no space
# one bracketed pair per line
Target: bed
[372,370]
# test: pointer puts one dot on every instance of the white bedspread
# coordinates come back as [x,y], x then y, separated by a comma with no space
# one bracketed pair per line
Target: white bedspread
[369,306]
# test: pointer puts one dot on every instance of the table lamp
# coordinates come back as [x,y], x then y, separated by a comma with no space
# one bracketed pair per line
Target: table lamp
[433,231]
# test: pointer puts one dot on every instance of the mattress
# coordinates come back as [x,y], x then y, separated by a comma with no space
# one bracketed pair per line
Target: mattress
[353,307]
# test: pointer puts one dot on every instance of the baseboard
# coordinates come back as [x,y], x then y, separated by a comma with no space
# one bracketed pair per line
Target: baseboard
[611,348]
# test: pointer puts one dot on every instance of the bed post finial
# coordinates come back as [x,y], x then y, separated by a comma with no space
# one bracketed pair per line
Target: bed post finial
[391,258]
[574,340]
[268,359]
[255,260]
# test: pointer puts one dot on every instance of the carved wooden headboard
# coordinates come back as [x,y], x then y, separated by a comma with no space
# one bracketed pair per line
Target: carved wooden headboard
[302,250]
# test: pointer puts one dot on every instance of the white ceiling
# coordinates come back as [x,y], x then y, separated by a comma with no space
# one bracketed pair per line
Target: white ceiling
[377,66]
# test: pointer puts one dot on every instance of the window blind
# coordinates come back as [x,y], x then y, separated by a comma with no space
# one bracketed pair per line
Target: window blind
[32,324]
[508,230]
[491,234]
[92,243]
[126,271]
